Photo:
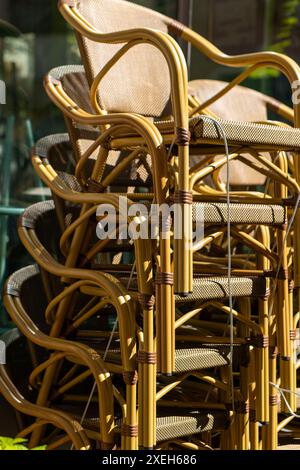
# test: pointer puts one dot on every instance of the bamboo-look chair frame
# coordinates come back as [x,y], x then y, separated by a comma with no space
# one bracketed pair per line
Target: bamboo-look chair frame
[178,76]
[263,244]
[153,140]
[57,189]
[75,432]
[75,351]
[284,64]
[119,298]
[57,88]
[239,235]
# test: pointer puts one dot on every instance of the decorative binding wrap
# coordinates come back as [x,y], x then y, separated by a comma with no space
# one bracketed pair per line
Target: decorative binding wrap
[273,400]
[273,352]
[282,274]
[242,407]
[53,80]
[176,28]
[165,278]
[130,430]
[259,341]
[183,197]
[145,357]
[94,187]
[183,136]
[130,377]
[266,294]
[293,335]
[146,301]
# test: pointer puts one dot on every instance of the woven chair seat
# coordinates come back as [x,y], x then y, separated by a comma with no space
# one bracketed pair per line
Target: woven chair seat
[217,288]
[201,358]
[216,213]
[244,133]
[186,359]
[186,423]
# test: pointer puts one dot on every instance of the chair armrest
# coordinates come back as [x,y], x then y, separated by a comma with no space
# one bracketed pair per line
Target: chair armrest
[281,62]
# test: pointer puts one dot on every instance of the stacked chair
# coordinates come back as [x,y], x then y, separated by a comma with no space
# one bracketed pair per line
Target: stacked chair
[188,340]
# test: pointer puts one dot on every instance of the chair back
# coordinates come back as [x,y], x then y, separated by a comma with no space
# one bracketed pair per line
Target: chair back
[139,82]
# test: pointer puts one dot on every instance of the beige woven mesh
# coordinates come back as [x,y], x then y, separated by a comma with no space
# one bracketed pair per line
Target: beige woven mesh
[241,104]
[201,358]
[139,82]
[75,84]
[216,213]
[245,133]
[217,288]
[186,424]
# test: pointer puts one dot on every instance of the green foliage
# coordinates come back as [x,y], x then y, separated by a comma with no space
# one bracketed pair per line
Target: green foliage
[8,443]
[288,21]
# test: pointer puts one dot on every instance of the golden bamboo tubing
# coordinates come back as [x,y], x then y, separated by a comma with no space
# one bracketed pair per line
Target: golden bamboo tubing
[57,418]
[284,326]
[88,314]
[29,429]
[140,404]
[262,388]
[273,352]
[58,443]
[243,331]
[63,295]
[166,315]
[253,427]
[159,327]
[182,267]
[101,156]
[51,370]
[273,439]
[148,384]
[42,366]
[59,98]
[284,423]
[108,180]
[147,399]
[77,380]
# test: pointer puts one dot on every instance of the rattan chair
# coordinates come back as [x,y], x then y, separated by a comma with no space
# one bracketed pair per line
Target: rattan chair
[22,307]
[60,420]
[255,208]
[187,359]
[110,69]
[207,288]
